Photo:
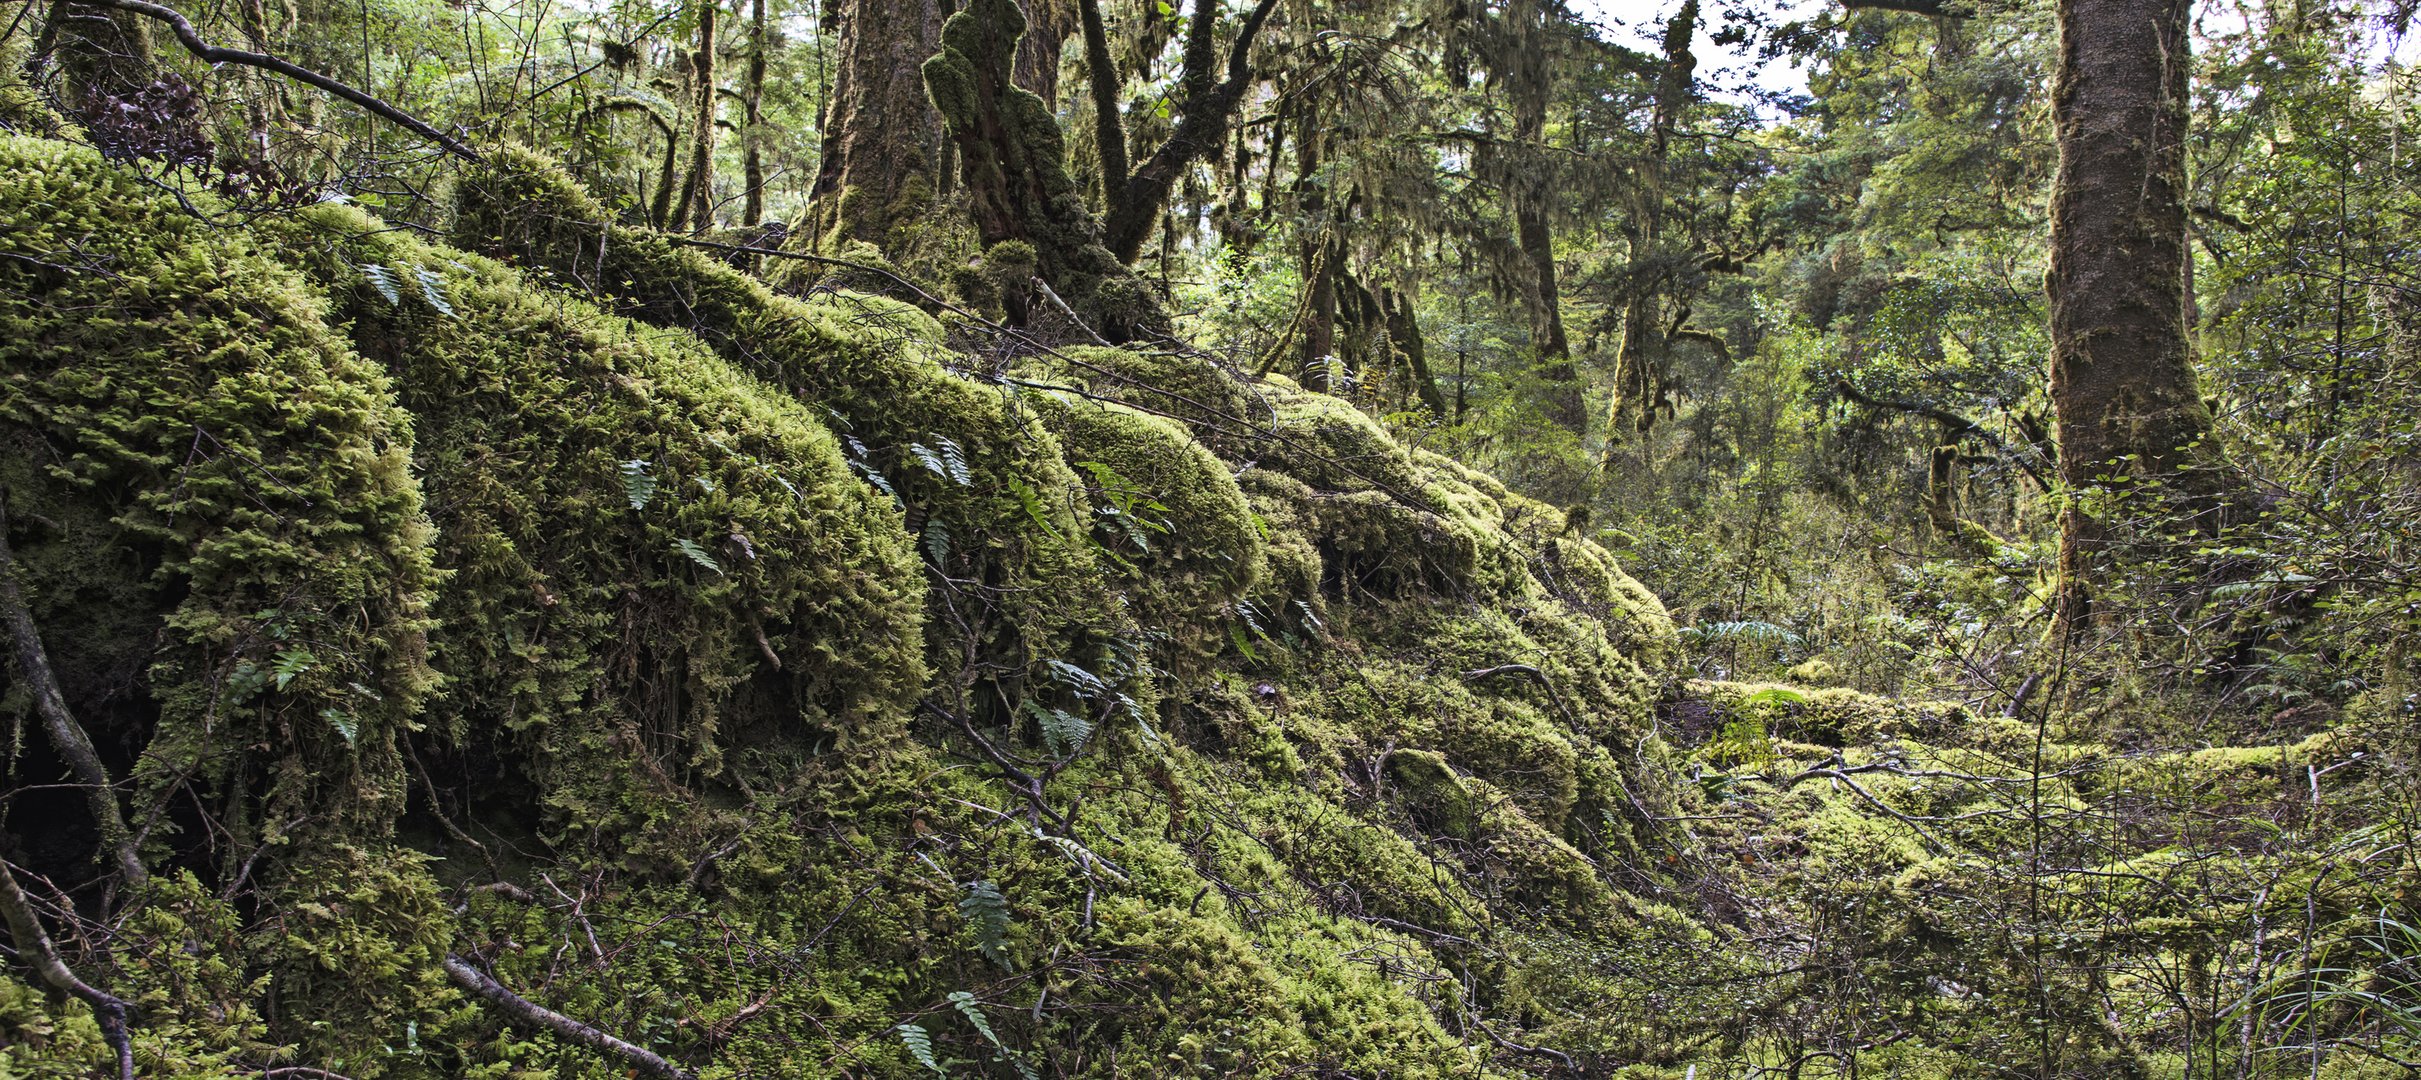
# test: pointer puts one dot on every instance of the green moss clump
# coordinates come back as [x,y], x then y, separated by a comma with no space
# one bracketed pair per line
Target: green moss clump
[653,556]
[995,508]
[1165,511]
[210,501]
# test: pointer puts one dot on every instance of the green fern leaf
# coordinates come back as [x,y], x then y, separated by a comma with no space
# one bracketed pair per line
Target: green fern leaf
[920,1046]
[637,485]
[433,290]
[937,543]
[697,554]
[383,280]
[987,911]
[1063,733]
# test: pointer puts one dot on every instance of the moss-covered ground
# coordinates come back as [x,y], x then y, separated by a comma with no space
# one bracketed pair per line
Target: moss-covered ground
[772,683]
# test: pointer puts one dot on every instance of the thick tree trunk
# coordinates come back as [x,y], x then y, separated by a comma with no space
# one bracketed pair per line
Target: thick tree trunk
[1048,25]
[1013,161]
[879,127]
[2122,376]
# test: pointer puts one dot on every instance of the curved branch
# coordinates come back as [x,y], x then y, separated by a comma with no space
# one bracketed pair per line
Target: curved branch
[35,948]
[66,735]
[1201,130]
[208,53]
[530,1013]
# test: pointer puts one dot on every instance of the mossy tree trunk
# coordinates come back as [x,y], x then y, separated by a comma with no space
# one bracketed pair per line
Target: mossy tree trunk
[1530,200]
[1639,362]
[2122,375]
[752,131]
[1013,162]
[696,208]
[877,167]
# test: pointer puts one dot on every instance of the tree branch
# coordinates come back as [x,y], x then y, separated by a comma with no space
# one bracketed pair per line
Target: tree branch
[537,1016]
[1201,129]
[35,948]
[1109,132]
[68,736]
[208,53]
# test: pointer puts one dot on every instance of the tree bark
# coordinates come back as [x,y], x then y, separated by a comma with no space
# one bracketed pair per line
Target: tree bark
[1048,24]
[1530,198]
[696,208]
[877,167]
[2122,376]
[1639,362]
[752,132]
[1404,336]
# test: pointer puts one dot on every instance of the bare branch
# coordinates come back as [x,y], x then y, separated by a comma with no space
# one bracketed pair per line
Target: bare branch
[192,40]
[35,948]
[68,736]
[542,1018]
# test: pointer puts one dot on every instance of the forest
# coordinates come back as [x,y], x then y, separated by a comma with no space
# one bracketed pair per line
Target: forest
[1662,540]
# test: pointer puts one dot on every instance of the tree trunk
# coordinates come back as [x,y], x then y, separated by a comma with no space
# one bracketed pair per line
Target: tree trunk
[1639,362]
[752,134]
[1013,161]
[1530,198]
[877,168]
[1048,24]
[696,208]
[1404,336]
[2122,376]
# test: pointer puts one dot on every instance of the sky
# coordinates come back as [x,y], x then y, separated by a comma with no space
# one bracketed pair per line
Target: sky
[1640,22]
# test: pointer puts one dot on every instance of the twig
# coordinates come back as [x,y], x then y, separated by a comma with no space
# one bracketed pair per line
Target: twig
[192,40]
[65,733]
[538,1016]
[1053,296]
[34,946]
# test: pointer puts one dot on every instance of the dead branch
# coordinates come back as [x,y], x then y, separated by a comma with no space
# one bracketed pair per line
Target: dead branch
[208,53]
[73,743]
[537,1016]
[35,948]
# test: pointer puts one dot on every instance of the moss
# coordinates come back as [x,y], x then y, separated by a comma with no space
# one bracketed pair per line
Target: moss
[190,441]
[653,557]
[985,487]
[1165,510]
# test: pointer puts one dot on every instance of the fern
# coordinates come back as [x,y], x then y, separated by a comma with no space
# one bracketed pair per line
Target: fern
[949,462]
[1063,733]
[1028,498]
[1085,683]
[344,723]
[383,280]
[974,1012]
[987,911]
[920,1046]
[937,543]
[637,485]
[433,290]
[697,554]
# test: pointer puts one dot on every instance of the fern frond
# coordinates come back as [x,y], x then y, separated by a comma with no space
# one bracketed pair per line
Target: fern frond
[920,1046]
[987,911]
[637,485]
